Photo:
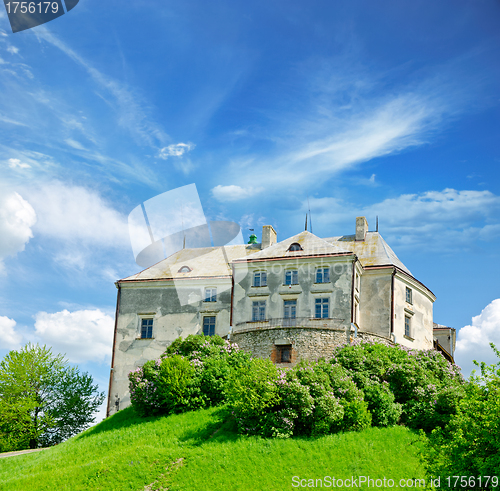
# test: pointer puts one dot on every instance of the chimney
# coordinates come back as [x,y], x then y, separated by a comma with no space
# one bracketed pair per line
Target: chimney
[361,228]
[269,236]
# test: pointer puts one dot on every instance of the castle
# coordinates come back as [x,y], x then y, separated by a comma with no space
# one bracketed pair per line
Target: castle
[286,300]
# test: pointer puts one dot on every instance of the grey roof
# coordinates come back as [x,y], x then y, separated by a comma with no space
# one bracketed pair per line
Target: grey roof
[212,262]
[207,262]
[310,243]
[373,251]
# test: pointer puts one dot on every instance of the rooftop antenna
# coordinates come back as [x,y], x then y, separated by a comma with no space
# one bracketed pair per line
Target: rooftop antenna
[305,228]
[310,217]
[377,223]
[183,231]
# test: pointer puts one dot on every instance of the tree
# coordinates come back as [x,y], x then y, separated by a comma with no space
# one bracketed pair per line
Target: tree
[43,400]
[470,444]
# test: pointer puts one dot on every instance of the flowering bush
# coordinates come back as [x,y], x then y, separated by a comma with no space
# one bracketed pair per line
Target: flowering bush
[191,374]
[363,384]
[419,387]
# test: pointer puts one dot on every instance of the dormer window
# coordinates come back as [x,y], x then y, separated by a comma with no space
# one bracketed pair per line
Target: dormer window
[185,269]
[295,247]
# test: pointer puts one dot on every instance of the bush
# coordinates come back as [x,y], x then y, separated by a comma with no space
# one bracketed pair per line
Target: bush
[469,445]
[425,386]
[191,374]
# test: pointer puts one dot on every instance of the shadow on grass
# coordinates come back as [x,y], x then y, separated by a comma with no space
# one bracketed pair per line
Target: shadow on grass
[222,427]
[122,419]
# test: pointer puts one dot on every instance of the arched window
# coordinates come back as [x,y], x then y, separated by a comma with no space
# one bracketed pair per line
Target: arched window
[295,247]
[185,269]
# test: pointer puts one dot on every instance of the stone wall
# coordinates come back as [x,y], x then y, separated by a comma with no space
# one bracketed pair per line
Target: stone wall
[306,343]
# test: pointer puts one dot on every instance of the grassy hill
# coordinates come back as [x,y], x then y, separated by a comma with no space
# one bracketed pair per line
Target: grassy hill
[198,451]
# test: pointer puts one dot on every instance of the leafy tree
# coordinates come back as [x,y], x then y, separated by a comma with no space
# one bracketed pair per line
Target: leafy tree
[469,445]
[43,400]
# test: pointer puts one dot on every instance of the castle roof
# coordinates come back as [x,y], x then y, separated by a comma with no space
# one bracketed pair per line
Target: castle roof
[210,262]
[310,245]
[205,262]
[373,251]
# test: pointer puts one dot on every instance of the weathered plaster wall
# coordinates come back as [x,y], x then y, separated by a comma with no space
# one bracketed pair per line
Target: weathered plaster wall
[338,290]
[375,302]
[307,343]
[420,312]
[170,320]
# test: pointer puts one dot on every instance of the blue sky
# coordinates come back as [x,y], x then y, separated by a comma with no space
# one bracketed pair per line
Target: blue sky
[385,108]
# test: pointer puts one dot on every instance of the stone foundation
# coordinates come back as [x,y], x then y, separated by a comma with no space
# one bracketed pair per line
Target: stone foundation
[305,343]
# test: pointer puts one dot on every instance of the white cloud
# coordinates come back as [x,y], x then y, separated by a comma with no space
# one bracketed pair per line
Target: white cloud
[176,150]
[13,50]
[449,218]
[83,335]
[10,338]
[233,192]
[79,216]
[16,163]
[74,144]
[473,340]
[17,217]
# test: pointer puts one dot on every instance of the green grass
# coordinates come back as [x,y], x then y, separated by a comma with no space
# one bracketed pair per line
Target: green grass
[197,451]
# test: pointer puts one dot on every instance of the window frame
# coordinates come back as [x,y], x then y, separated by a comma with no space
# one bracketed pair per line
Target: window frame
[324,274]
[210,297]
[324,305]
[258,310]
[294,247]
[408,326]
[208,324]
[149,327]
[282,349]
[294,274]
[262,275]
[409,295]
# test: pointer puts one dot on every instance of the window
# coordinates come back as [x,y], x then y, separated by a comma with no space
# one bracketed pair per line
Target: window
[259,311]
[290,313]
[321,308]
[295,247]
[356,312]
[408,295]
[210,294]
[408,326]
[147,328]
[284,353]
[209,326]
[323,275]
[356,282]
[292,277]
[260,278]
[185,269]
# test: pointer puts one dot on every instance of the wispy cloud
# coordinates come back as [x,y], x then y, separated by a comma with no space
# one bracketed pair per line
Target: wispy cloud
[390,127]
[232,192]
[132,110]
[439,220]
[16,163]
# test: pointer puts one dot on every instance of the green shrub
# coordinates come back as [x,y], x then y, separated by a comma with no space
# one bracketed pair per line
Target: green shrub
[380,400]
[191,374]
[252,393]
[469,444]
